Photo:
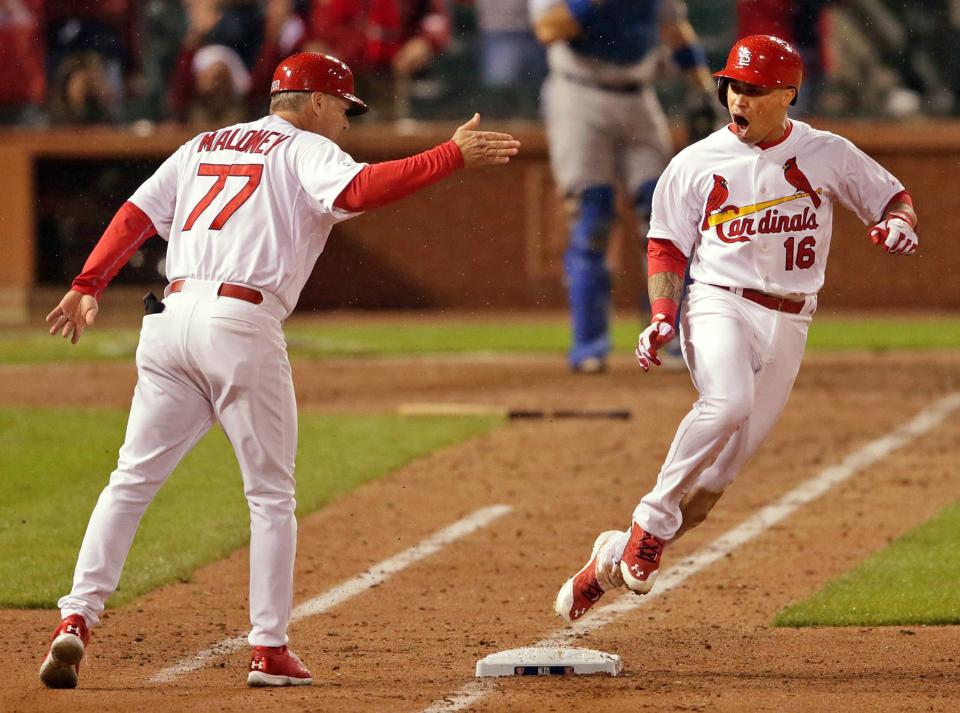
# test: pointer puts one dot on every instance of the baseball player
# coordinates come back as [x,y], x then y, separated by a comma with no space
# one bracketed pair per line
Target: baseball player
[246,211]
[606,131]
[753,205]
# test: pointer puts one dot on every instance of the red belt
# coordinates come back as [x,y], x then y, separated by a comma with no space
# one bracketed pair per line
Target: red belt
[777,304]
[238,292]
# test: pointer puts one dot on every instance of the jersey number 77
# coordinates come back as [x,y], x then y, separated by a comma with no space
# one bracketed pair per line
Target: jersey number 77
[251,171]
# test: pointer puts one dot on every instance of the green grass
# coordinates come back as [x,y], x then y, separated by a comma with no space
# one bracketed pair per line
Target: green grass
[914,581]
[878,333]
[55,462]
[38,347]
[420,334]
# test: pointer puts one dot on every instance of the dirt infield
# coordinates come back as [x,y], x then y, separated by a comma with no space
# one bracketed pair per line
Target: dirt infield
[403,645]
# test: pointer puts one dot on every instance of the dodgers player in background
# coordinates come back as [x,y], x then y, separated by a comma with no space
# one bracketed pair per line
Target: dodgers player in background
[246,211]
[752,207]
[607,132]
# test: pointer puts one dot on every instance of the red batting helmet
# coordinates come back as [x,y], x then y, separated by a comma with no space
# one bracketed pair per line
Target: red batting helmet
[763,60]
[316,72]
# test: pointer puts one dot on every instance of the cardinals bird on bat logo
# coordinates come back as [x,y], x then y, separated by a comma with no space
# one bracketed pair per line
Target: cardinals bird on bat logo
[716,199]
[798,179]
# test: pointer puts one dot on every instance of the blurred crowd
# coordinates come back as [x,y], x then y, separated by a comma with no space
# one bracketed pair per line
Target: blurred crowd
[198,61]
[207,62]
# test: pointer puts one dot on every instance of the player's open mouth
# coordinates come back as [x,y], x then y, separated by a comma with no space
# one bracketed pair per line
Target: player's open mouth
[742,122]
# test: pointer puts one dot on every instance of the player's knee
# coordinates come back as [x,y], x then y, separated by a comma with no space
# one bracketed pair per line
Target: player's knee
[735,411]
[719,480]
[730,411]
[270,500]
[593,215]
[131,486]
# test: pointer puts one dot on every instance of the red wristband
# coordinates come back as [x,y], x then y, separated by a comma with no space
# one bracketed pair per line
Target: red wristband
[664,309]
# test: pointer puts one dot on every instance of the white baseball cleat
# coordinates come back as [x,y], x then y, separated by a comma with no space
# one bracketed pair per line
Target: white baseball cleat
[599,575]
[276,666]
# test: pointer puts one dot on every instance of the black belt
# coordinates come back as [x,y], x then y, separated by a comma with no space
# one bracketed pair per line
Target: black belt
[615,87]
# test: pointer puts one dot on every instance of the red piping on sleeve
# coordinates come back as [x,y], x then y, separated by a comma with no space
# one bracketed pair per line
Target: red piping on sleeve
[128,230]
[381,183]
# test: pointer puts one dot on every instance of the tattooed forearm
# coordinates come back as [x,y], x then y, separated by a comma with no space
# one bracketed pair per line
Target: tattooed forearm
[665,284]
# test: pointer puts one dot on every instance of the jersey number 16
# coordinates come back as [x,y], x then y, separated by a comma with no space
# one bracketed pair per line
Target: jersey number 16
[251,171]
[799,254]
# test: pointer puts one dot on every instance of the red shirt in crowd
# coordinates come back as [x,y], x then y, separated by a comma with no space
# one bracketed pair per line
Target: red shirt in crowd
[21,53]
[779,17]
[367,34]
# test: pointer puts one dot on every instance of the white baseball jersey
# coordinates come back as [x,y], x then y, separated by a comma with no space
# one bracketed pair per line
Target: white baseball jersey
[762,218]
[250,204]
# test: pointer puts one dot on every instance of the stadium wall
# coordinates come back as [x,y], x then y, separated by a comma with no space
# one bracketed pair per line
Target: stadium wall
[490,238]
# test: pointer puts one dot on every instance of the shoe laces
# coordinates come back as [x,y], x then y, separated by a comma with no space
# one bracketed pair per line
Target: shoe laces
[649,548]
[75,625]
[592,590]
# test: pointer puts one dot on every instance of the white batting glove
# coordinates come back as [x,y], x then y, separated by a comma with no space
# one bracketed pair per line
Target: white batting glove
[896,236]
[651,339]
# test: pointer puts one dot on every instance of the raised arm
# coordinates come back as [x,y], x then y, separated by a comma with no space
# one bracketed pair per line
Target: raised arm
[382,183]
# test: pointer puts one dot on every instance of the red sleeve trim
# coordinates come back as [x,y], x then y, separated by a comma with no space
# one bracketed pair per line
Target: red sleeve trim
[128,230]
[381,183]
[664,256]
[901,197]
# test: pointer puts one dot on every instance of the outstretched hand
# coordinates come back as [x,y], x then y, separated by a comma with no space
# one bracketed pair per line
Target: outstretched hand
[75,313]
[484,148]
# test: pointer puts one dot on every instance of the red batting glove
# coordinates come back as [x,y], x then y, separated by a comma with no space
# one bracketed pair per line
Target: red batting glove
[895,235]
[652,338]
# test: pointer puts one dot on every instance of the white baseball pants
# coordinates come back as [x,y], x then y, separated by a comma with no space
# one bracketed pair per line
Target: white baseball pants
[203,359]
[743,359]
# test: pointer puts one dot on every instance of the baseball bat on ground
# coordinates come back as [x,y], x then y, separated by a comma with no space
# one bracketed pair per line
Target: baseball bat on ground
[454,409]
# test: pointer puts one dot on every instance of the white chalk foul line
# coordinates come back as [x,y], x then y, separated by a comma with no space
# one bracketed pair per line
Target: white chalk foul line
[374,576]
[806,492]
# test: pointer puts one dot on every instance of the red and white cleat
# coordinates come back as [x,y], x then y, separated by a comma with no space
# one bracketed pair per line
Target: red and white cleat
[641,560]
[61,667]
[276,666]
[599,575]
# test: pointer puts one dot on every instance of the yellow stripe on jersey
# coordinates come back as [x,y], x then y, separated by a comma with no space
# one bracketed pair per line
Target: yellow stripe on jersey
[728,215]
